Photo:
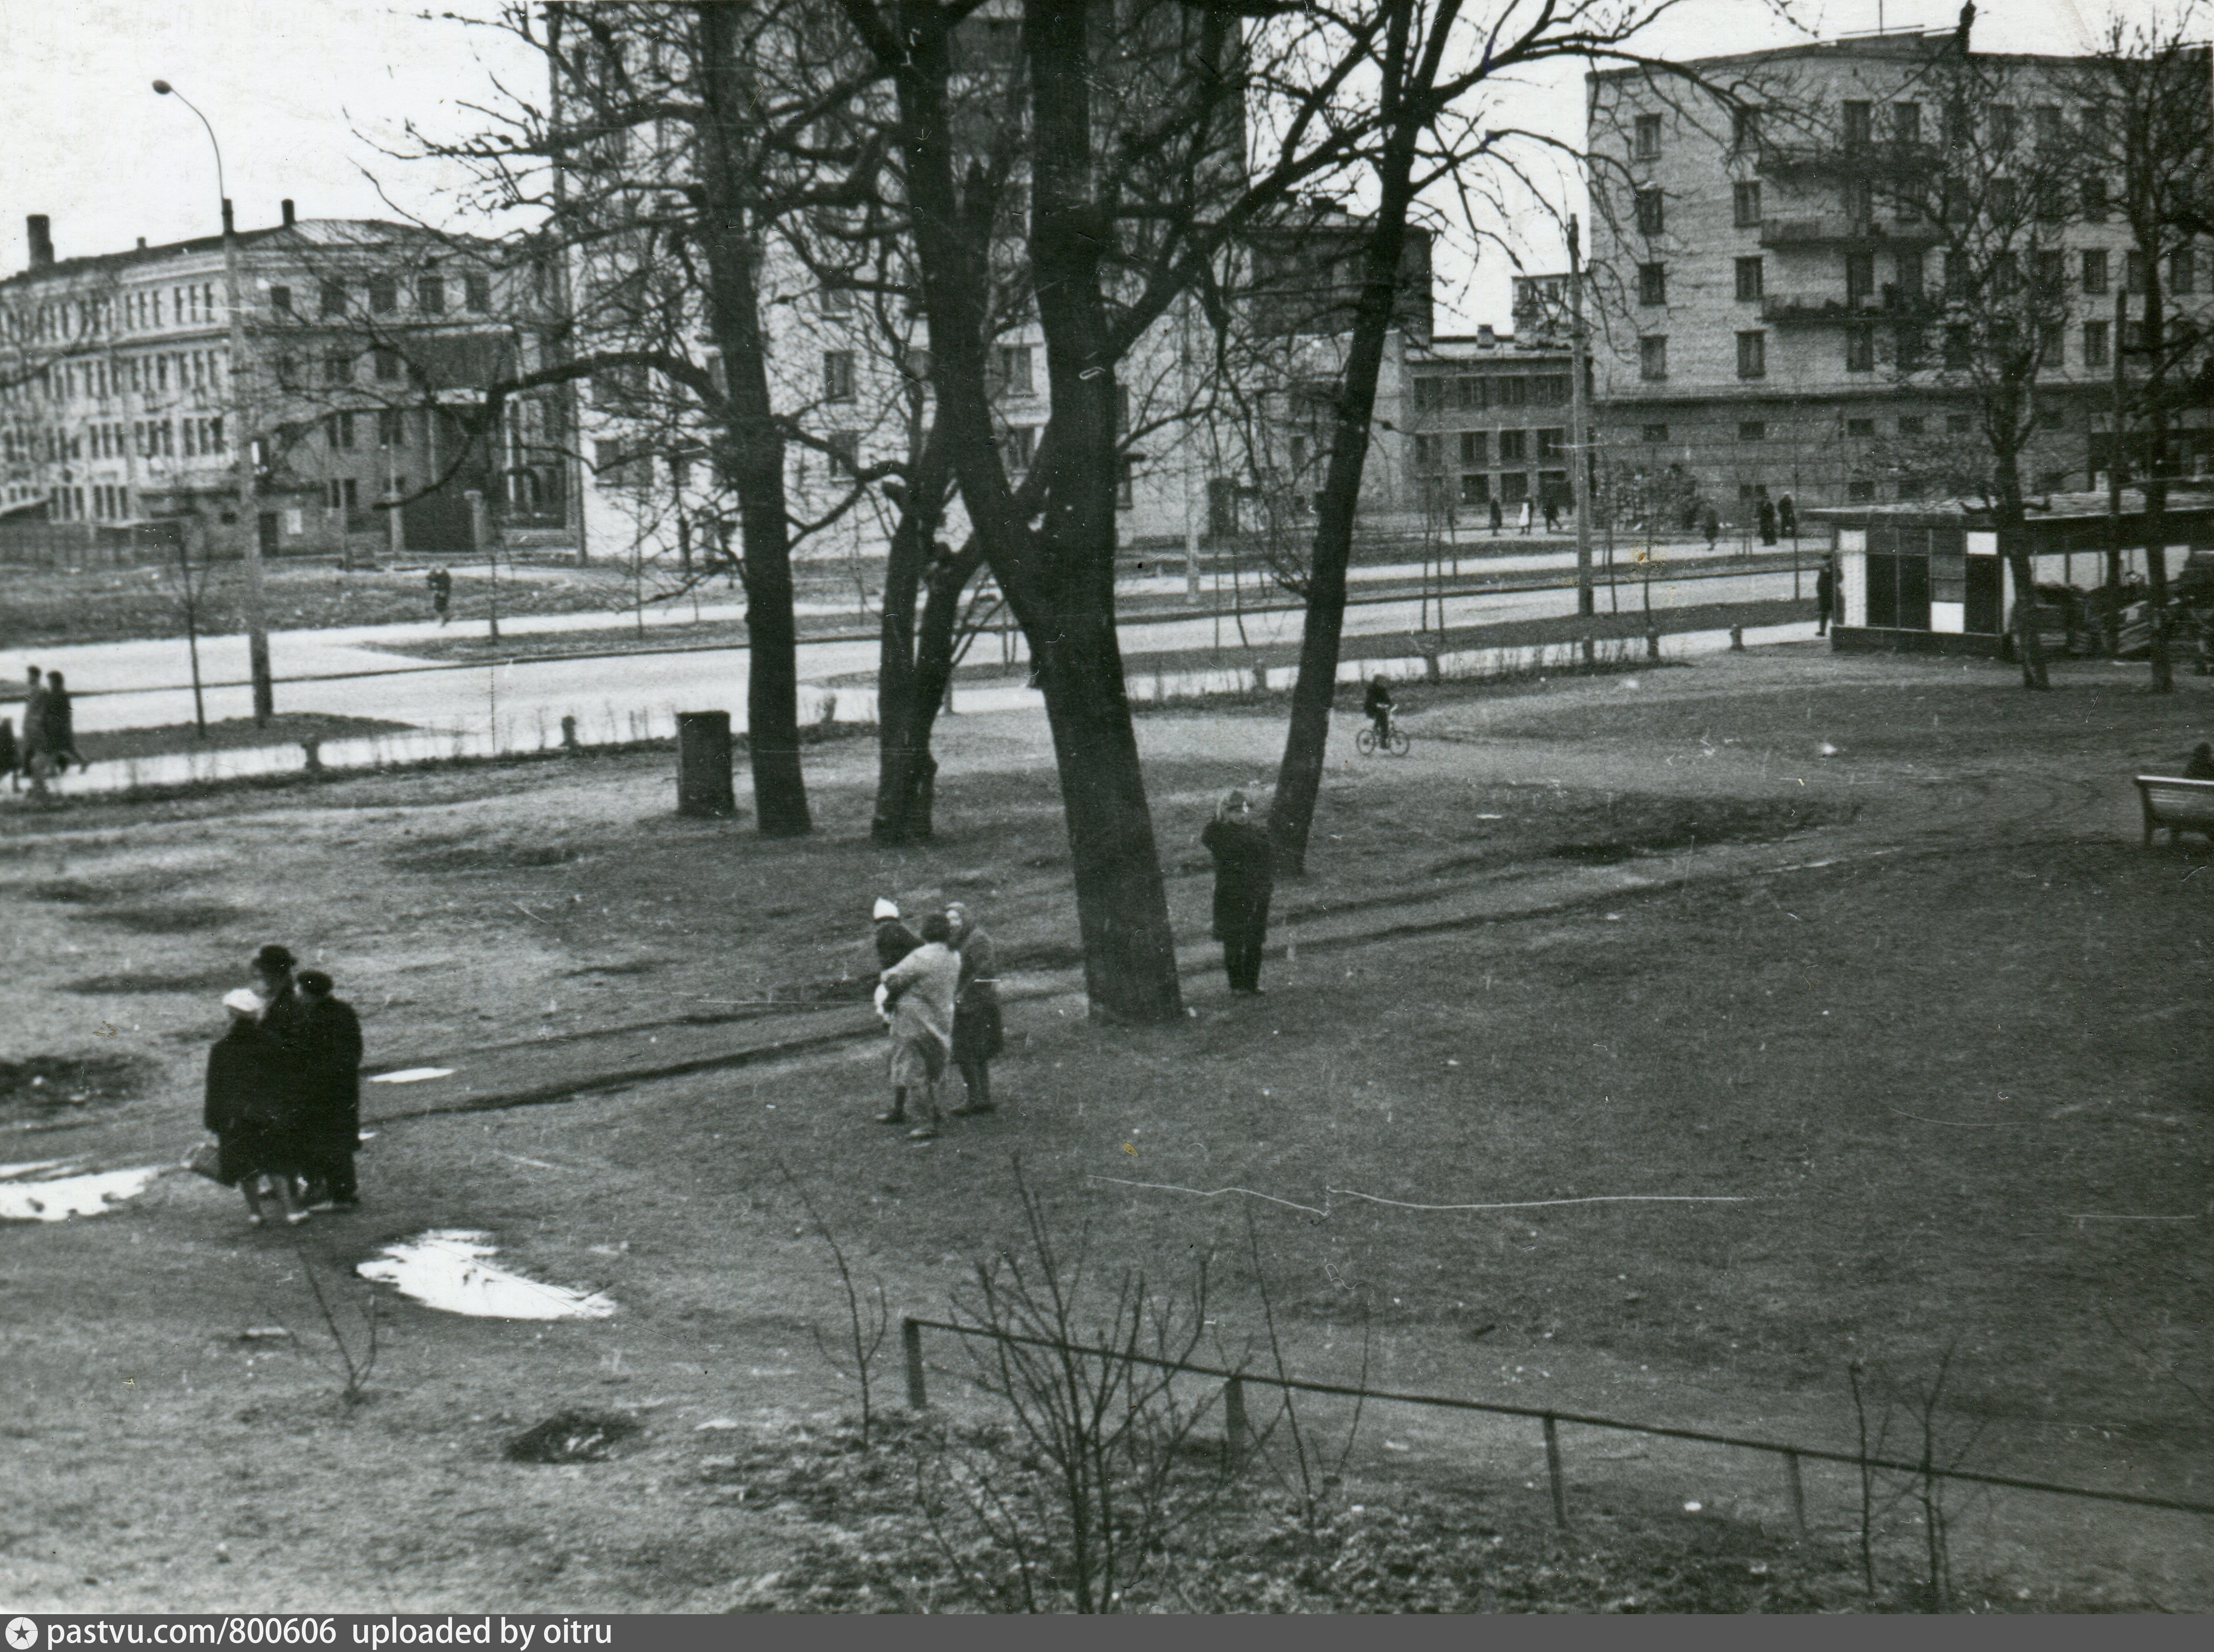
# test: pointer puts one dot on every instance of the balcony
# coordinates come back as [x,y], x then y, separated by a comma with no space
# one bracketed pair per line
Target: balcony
[1836,230]
[1890,158]
[1818,309]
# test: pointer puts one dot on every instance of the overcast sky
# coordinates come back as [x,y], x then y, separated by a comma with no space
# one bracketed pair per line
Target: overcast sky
[300,94]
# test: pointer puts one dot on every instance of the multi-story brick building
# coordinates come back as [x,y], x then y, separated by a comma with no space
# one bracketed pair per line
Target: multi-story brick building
[1486,419]
[1762,283]
[367,346]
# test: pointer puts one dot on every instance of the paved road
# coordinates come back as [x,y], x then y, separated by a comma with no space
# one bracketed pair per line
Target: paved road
[146,684]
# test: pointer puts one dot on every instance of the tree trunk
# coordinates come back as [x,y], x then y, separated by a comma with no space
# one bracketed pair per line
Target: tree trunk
[2013,544]
[1059,580]
[1298,777]
[2156,482]
[906,702]
[753,446]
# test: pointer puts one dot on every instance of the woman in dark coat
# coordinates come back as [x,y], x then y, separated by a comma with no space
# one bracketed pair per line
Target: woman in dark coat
[248,1107]
[1244,877]
[329,1082]
[977,1033]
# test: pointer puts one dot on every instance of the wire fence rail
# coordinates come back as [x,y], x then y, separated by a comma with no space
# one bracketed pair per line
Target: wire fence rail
[1550,1418]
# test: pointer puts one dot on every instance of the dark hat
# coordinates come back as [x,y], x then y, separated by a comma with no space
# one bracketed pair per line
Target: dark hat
[274,958]
[317,981]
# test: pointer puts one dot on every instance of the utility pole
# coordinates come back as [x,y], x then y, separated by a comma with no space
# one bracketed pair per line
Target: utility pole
[2114,626]
[1580,438]
[235,371]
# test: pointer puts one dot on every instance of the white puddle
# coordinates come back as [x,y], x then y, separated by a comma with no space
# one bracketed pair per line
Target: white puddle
[448,1268]
[24,1196]
[412,1075]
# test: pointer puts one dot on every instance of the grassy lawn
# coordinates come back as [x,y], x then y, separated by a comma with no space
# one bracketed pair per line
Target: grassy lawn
[1884,1041]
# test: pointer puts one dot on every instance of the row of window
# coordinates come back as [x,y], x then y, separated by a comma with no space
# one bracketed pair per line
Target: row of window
[338,368]
[2002,276]
[1474,447]
[341,430]
[142,438]
[431,293]
[1902,126]
[1472,392]
[1911,348]
[104,381]
[1909,425]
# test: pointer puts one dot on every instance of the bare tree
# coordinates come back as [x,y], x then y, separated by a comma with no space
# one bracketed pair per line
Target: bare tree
[2143,122]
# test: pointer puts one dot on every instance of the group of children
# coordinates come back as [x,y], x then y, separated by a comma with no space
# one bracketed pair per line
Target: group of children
[939,993]
[284,1092]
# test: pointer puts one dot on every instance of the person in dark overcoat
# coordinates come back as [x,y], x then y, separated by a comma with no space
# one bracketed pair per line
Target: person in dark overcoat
[329,1080]
[11,761]
[248,1107]
[1825,598]
[978,1034]
[1244,879]
[1767,516]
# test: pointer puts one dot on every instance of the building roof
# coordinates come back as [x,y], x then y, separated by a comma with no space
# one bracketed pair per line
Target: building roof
[1902,45]
[328,234]
[2194,503]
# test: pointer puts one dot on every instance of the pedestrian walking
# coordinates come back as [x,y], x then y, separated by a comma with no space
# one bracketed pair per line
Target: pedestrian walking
[247,1109]
[1522,518]
[1498,520]
[37,766]
[10,758]
[978,1035]
[1244,877]
[920,991]
[1767,514]
[1713,525]
[441,583]
[1825,598]
[1552,515]
[1787,518]
[328,1083]
[60,724]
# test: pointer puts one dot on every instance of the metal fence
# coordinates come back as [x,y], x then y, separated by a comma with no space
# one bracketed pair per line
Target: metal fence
[1234,1382]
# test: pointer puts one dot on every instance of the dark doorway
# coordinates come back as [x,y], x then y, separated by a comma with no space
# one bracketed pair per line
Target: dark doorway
[1982,604]
[266,526]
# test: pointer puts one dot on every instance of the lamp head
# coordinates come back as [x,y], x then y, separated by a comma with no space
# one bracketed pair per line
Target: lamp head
[162,88]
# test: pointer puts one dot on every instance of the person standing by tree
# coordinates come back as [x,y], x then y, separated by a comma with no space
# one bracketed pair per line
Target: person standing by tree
[1244,879]
[1825,596]
[977,1034]
[920,992]
[330,1093]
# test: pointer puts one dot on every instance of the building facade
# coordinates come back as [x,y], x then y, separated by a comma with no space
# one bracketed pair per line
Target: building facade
[368,346]
[1771,306]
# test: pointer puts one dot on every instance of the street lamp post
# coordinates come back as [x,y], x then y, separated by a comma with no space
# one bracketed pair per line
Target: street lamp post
[257,599]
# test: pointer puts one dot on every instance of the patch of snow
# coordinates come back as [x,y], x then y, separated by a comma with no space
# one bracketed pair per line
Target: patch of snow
[58,1198]
[412,1075]
[9,1172]
[449,1269]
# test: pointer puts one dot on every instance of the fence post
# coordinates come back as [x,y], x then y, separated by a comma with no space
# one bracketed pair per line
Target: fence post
[918,1398]
[1235,1431]
[1553,1470]
[1652,645]
[1798,1492]
[1737,639]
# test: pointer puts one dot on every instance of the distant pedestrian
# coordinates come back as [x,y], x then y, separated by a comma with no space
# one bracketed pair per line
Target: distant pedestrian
[1825,598]
[37,766]
[1713,525]
[978,1035]
[1787,518]
[59,719]
[247,1109]
[920,991]
[1552,515]
[1244,879]
[328,1084]
[441,585]
[2200,764]
[10,758]
[1767,523]
[1522,518]
[1498,520]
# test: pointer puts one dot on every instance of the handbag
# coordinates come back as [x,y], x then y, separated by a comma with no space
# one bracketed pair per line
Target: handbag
[205,1159]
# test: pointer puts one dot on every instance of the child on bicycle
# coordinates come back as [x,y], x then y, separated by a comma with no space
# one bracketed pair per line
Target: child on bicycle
[1377,707]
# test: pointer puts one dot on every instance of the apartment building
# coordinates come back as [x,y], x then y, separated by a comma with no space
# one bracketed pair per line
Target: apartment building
[1486,421]
[367,347]
[1771,308]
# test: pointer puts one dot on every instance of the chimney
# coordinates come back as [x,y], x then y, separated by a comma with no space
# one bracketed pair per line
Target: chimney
[1486,338]
[142,243]
[42,241]
[288,214]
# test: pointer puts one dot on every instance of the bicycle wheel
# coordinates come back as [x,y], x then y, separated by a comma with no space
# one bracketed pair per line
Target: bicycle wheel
[1365,742]
[1400,744]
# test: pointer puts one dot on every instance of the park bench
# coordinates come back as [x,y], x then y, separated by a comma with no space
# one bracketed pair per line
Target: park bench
[2180,805]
